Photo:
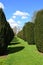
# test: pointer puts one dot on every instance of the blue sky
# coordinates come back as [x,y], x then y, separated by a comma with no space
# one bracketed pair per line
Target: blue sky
[18,12]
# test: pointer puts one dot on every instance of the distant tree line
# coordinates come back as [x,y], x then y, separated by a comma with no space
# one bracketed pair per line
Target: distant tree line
[32,32]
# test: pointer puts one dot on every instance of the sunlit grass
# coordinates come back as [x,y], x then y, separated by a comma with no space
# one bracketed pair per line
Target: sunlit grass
[20,53]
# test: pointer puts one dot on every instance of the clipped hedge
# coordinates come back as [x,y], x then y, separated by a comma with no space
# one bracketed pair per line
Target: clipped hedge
[20,34]
[29,32]
[6,33]
[38,29]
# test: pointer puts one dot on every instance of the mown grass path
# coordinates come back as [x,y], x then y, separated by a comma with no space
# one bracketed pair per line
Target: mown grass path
[20,53]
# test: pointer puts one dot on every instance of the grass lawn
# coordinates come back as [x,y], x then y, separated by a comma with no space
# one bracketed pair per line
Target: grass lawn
[20,53]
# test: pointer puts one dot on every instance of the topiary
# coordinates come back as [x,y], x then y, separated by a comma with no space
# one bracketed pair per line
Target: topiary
[38,30]
[6,33]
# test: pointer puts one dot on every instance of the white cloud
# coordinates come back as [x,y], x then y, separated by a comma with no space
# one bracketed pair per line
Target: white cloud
[1,5]
[13,23]
[22,14]
[19,13]
[18,22]
[24,17]
[13,17]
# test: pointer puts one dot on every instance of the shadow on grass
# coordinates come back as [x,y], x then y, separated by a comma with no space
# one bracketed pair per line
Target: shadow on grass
[11,50]
[31,43]
[12,43]
[14,49]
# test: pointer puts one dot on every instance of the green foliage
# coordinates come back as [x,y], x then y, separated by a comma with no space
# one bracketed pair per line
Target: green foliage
[24,32]
[39,30]
[6,33]
[20,34]
[9,33]
[28,30]
[27,33]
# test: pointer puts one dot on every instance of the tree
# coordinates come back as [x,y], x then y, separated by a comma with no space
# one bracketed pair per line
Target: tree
[6,33]
[24,32]
[9,33]
[20,34]
[39,30]
[29,32]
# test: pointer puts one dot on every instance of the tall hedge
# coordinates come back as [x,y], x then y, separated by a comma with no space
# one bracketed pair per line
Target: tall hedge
[20,34]
[24,32]
[29,32]
[39,30]
[9,33]
[6,33]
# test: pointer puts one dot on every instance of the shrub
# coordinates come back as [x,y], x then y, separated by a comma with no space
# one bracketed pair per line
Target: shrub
[39,30]
[20,34]
[29,32]
[6,33]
